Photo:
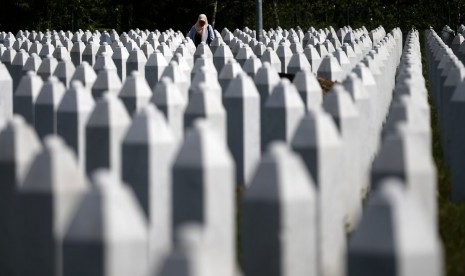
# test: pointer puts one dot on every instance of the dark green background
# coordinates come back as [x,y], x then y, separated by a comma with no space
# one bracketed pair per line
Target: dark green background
[123,15]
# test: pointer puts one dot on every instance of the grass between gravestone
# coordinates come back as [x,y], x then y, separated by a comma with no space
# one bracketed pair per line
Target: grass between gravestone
[325,84]
[451,215]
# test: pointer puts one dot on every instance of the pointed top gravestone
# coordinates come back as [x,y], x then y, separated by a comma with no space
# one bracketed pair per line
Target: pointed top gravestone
[65,71]
[148,151]
[272,58]
[203,49]
[76,52]
[26,95]
[313,57]
[298,63]
[61,54]
[399,157]
[287,212]
[136,62]
[394,235]
[107,81]
[47,50]
[32,63]
[19,145]
[228,73]
[48,197]
[319,144]
[285,54]
[85,74]
[135,92]
[95,236]
[205,104]
[105,130]
[330,69]
[283,110]
[104,60]
[47,67]
[222,56]
[265,80]
[251,66]
[339,104]
[16,67]
[202,161]
[72,115]
[169,100]
[242,102]
[244,54]
[178,77]
[46,105]
[90,53]
[154,68]
[120,57]
[309,89]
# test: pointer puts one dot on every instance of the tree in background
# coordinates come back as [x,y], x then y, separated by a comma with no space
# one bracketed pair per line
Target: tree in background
[123,15]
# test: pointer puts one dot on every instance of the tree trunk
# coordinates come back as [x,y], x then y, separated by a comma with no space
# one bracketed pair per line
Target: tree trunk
[275,11]
[215,8]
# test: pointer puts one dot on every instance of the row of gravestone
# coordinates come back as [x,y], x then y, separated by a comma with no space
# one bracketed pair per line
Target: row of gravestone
[136,39]
[26,40]
[356,44]
[447,75]
[175,187]
[135,92]
[379,245]
[386,241]
[155,65]
[344,34]
[315,45]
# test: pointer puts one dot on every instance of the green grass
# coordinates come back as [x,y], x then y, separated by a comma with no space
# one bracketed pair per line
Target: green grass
[451,216]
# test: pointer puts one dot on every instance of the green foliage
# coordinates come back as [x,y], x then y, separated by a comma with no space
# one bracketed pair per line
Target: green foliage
[123,15]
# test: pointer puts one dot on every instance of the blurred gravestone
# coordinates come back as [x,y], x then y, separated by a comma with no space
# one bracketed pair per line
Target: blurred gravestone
[279,228]
[148,151]
[135,92]
[7,96]
[46,105]
[19,145]
[47,199]
[105,130]
[168,99]
[394,237]
[96,243]
[72,115]
[242,103]
[283,110]
[202,162]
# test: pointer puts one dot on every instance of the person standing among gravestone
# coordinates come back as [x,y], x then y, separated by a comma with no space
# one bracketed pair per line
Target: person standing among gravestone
[202,31]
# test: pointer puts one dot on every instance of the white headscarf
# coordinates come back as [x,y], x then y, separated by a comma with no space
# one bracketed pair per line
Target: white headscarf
[202,30]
